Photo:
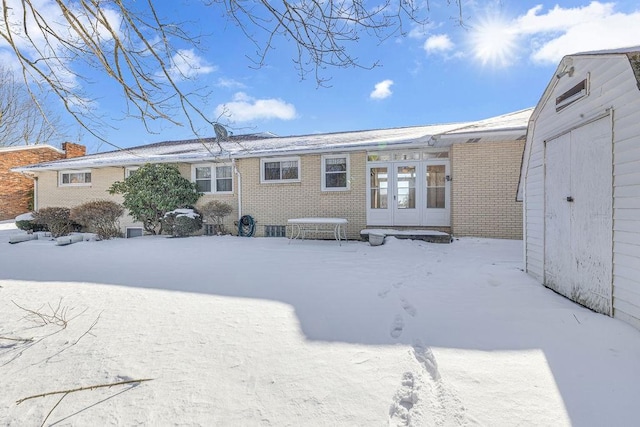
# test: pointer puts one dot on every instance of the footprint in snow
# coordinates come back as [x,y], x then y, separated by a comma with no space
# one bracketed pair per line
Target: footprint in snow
[397,326]
[410,309]
[383,293]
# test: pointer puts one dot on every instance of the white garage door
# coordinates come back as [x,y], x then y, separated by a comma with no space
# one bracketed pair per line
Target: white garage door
[578,215]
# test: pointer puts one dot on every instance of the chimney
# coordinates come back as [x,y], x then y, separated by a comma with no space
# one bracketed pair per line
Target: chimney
[73,150]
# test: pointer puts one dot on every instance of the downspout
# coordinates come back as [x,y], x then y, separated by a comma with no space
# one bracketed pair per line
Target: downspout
[35,193]
[235,168]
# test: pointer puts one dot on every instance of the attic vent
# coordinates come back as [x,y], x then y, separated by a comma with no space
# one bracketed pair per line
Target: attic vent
[275,231]
[572,95]
[471,140]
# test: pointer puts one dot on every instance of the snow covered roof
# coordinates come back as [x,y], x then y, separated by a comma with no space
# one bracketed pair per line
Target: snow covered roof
[30,147]
[618,51]
[265,144]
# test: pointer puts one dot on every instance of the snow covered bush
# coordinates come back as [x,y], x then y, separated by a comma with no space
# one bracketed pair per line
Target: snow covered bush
[153,190]
[57,220]
[25,222]
[100,217]
[214,213]
[182,222]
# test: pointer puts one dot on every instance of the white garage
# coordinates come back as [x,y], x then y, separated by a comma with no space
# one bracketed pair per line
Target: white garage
[580,183]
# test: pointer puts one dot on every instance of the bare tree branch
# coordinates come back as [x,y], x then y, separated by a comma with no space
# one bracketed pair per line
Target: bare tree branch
[25,119]
[56,41]
[90,387]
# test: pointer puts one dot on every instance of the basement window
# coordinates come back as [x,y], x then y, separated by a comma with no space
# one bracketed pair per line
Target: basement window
[134,232]
[577,92]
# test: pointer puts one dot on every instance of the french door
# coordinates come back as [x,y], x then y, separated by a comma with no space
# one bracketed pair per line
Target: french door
[408,193]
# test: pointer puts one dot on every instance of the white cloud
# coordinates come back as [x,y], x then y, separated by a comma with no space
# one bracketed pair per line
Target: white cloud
[244,108]
[230,83]
[585,32]
[382,90]
[438,43]
[547,36]
[186,64]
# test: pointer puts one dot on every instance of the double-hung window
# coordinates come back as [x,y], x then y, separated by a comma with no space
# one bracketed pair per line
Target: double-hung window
[74,178]
[213,178]
[335,172]
[286,169]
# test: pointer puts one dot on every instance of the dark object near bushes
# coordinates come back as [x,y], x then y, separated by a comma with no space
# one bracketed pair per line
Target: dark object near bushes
[100,217]
[30,226]
[57,220]
[182,222]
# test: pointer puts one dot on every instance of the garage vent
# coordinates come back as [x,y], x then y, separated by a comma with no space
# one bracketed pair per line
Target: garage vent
[275,231]
[577,92]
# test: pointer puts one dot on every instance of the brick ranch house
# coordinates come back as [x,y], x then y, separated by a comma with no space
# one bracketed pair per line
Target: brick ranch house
[457,177]
[16,189]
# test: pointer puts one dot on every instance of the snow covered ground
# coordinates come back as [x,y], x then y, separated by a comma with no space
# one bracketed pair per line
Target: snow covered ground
[259,332]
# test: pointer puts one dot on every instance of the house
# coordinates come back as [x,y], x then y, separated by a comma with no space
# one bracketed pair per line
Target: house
[16,189]
[580,183]
[458,177]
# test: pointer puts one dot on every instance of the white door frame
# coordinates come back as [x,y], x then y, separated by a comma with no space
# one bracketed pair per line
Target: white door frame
[391,214]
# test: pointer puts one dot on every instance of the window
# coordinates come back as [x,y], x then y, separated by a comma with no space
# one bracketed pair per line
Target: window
[74,178]
[134,232]
[129,170]
[280,170]
[335,172]
[213,178]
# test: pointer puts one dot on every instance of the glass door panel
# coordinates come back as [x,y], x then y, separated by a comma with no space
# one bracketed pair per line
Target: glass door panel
[379,188]
[406,187]
[436,185]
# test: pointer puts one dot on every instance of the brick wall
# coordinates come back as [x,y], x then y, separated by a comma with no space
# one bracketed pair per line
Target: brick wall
[269,204]
[50,194]
[15,188]
[275,203]
[73,150]
[485,181]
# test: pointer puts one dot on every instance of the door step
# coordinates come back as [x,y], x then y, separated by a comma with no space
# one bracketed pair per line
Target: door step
[431,236]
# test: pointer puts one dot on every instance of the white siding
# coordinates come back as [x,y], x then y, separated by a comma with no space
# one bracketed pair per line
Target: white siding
[612,85]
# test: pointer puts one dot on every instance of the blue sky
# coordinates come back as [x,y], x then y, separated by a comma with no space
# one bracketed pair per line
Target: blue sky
[499,61]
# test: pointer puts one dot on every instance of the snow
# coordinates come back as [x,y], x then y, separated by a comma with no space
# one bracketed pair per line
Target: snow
[25,217]
[257,331]
[189,213]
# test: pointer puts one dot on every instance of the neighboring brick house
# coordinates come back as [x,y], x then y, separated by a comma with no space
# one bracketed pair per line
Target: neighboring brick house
[16,189]
[457,177]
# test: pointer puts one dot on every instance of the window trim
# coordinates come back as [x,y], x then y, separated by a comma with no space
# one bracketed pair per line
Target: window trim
[76,184]
[323,172]
[279,160]
[129,169]
[214,176]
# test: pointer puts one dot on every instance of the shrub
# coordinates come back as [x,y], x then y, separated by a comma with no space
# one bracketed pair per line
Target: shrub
[25,222]
[215,211]
[100,217]
[56,219]
[153,190]
[182,222]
